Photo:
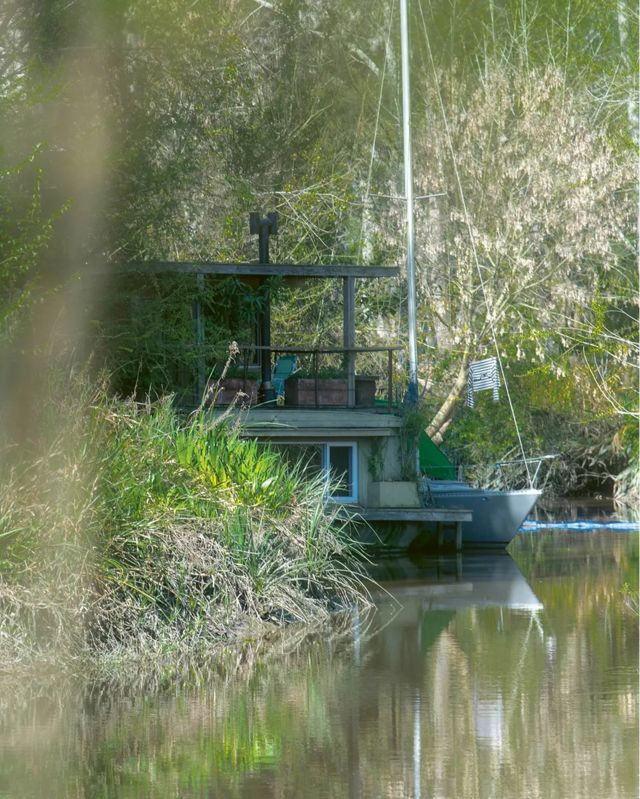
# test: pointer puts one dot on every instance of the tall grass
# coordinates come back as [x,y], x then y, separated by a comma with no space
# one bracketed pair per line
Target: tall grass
[134,531]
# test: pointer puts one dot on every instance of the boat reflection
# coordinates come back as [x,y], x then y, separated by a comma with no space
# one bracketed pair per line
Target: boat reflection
[453,583]
[417,600]
[424,655]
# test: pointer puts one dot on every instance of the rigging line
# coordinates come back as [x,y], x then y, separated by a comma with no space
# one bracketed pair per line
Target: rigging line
[375,129]
[473,242]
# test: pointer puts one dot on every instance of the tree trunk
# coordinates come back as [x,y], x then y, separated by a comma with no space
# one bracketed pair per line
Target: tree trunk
[437,437]
[441,420]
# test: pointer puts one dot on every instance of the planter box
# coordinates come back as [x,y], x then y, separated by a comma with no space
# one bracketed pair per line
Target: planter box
[394,494]
[365,391]
[332,392]
[232,387]
[301,392]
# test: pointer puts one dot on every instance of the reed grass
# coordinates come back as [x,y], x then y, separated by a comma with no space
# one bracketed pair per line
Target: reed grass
[128,531]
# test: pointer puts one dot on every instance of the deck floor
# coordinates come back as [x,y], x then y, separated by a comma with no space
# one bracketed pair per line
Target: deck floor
[409,518]
[450,515]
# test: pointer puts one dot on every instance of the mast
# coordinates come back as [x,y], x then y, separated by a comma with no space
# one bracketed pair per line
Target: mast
[412,391]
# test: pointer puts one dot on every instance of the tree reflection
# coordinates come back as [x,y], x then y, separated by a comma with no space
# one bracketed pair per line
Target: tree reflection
[469,701]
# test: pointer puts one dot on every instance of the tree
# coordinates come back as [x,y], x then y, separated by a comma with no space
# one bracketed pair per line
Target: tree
[26,226]
[535,213]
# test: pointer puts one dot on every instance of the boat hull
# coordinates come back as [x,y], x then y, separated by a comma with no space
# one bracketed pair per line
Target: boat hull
[497,515]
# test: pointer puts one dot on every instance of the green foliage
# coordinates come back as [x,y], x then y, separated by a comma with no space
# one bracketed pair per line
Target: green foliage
[251,474]
[147,337]
[626,445]
[555,414]
[414,421]
[137,528]
[375,461]
[485,432]
[323,373]
[25,231]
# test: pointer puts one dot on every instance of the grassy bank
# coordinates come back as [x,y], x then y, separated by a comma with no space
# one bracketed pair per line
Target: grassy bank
[129,532]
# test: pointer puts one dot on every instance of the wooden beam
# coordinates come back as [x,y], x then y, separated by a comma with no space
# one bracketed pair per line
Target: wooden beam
[451,515]
[325,350]
[330,420]
[312,434]
[258,270]
[349,336]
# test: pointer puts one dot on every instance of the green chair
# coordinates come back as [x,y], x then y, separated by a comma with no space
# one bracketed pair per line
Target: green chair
[285,366]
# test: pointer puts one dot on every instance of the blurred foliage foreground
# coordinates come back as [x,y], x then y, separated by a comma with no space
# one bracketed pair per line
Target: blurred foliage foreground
[136,534]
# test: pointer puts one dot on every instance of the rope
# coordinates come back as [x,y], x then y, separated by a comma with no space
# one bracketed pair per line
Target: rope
[473,243]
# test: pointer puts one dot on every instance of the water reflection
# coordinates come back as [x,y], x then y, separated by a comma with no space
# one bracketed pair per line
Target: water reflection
[476,678]
[418,607]
[469,580]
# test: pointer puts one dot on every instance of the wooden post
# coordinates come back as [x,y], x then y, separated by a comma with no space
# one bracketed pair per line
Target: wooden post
[245,367]
[457,533]
[458,536]
[315,377]
[198,323]
[349,336]
[390,379]
[265,227]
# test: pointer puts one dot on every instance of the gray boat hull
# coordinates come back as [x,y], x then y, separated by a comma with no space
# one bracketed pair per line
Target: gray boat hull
[497,515]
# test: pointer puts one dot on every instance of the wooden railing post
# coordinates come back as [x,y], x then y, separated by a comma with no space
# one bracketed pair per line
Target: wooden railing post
[349,337]
[198,322]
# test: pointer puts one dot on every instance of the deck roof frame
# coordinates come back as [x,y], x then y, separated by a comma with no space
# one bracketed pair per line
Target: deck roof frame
[264,227]
[317,271]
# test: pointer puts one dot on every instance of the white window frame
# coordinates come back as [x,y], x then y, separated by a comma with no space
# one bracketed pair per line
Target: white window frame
[324,456]
[326,447]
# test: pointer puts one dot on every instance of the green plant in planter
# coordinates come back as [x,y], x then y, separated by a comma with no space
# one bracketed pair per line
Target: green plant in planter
[328,373]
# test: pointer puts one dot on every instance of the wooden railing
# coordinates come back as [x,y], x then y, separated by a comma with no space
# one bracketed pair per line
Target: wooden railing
[328,363]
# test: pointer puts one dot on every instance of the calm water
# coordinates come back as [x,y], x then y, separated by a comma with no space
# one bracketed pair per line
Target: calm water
[478,677]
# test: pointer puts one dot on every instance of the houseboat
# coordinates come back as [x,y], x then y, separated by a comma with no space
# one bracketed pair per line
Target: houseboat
[341,418]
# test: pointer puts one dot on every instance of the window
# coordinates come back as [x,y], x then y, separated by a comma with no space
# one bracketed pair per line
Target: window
[311,456]
[337,463]
[341,467]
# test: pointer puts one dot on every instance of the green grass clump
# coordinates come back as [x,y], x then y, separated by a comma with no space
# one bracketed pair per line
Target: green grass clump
[135,531]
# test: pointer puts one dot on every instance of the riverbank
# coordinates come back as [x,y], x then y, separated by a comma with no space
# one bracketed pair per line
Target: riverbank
[129,534]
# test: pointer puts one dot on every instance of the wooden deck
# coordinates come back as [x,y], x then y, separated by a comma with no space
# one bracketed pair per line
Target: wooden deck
[443,518]
[451,515]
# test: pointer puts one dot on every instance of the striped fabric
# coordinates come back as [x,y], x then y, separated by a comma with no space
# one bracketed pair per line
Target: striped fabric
[483,376]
